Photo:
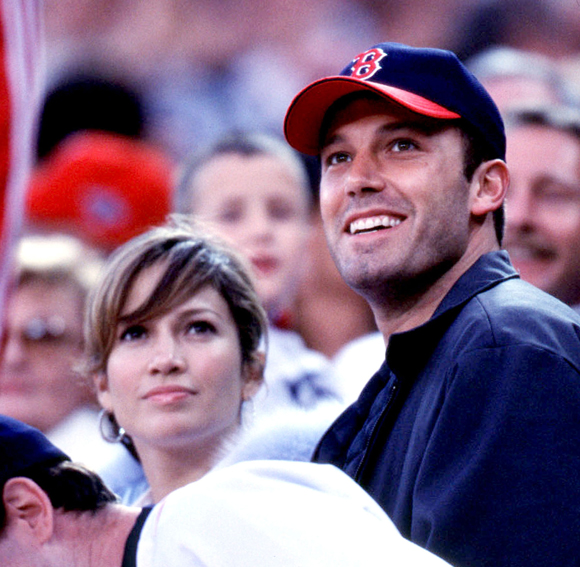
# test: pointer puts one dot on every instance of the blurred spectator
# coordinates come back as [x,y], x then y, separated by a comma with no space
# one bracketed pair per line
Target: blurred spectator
[530,25]
[102,187]
[543,201]
[86,100]
[421,23]
[202,74]
[517,77]
[43,329]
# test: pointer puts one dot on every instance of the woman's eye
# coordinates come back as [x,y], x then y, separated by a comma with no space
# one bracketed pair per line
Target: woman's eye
[133,332]
[200,328]
[403,145]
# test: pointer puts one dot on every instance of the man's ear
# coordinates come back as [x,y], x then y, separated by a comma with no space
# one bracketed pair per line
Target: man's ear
[102,387]
[28,507]
[253,375]
[490,182]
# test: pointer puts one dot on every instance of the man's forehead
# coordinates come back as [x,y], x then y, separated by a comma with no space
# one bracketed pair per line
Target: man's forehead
[360,106]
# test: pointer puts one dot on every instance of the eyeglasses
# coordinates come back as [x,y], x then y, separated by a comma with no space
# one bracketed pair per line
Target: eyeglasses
[42,332]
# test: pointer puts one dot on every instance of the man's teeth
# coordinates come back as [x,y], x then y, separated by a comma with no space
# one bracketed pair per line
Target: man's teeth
[362,225]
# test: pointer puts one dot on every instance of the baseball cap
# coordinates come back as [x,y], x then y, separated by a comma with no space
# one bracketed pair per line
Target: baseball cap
[431,82]
[23,446]
[104,188]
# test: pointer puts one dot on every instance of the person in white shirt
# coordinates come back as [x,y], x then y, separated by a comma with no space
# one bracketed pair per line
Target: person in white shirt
[267,513]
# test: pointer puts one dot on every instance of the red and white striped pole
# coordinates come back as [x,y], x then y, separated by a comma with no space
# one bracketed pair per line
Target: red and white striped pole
[20,91]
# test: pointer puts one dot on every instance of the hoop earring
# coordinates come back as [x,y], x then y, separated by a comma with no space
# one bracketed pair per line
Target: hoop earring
[248,413]
[109,428]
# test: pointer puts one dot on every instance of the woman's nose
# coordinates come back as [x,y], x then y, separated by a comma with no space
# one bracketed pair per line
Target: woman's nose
[166,358]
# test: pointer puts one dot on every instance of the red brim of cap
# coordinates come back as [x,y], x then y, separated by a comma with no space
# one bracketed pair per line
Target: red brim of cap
[305,114]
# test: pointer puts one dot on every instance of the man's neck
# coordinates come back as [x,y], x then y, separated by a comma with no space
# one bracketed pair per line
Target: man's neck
[396,313]
[98,540]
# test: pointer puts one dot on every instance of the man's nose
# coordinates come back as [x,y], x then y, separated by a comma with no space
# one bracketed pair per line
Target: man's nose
[364,175]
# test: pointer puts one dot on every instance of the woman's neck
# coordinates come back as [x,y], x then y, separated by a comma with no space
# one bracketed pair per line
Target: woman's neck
[169,468]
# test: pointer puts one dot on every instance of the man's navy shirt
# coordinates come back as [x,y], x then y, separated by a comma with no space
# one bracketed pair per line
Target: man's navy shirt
[469,434]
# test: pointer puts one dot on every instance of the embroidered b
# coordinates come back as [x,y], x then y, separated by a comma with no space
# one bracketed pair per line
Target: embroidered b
[365,65]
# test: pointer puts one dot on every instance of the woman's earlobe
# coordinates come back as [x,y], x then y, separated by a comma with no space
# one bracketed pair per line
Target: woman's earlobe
[102,389]
[253,376]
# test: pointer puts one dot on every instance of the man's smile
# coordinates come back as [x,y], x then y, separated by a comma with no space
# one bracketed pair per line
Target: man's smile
[373,223]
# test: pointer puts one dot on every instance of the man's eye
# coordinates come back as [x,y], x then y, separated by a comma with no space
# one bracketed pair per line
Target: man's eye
[403,145]
[337,157]
[133,332]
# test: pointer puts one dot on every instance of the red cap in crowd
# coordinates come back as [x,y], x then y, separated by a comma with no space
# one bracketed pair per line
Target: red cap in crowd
[104,188]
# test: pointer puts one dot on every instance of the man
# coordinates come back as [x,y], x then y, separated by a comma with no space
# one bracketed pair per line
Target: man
[468,434]
[57,513]
[543,202]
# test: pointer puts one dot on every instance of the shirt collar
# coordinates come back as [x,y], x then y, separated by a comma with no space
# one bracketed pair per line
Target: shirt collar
[408,351]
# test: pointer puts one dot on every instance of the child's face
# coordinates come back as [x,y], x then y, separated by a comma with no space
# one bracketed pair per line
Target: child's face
[257,204]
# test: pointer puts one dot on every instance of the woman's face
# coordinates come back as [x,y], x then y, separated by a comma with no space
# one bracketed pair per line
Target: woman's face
[178,379]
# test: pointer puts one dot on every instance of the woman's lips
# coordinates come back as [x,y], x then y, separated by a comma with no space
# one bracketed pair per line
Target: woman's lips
[168,394]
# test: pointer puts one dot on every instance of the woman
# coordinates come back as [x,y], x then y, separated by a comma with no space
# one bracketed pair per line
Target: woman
[173,334]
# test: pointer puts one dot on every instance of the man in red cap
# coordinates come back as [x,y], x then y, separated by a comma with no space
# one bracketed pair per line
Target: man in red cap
[468,434]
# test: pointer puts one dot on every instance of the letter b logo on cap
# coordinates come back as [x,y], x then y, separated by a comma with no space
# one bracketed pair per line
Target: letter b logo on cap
[365,65]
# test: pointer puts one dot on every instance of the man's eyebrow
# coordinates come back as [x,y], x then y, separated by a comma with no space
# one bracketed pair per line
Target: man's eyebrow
[329,140]
[422,126]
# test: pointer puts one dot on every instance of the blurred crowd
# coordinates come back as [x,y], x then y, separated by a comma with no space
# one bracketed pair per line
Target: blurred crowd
[201,68]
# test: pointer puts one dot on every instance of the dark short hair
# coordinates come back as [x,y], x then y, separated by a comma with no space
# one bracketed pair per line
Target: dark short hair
[475,153]
[69,486]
